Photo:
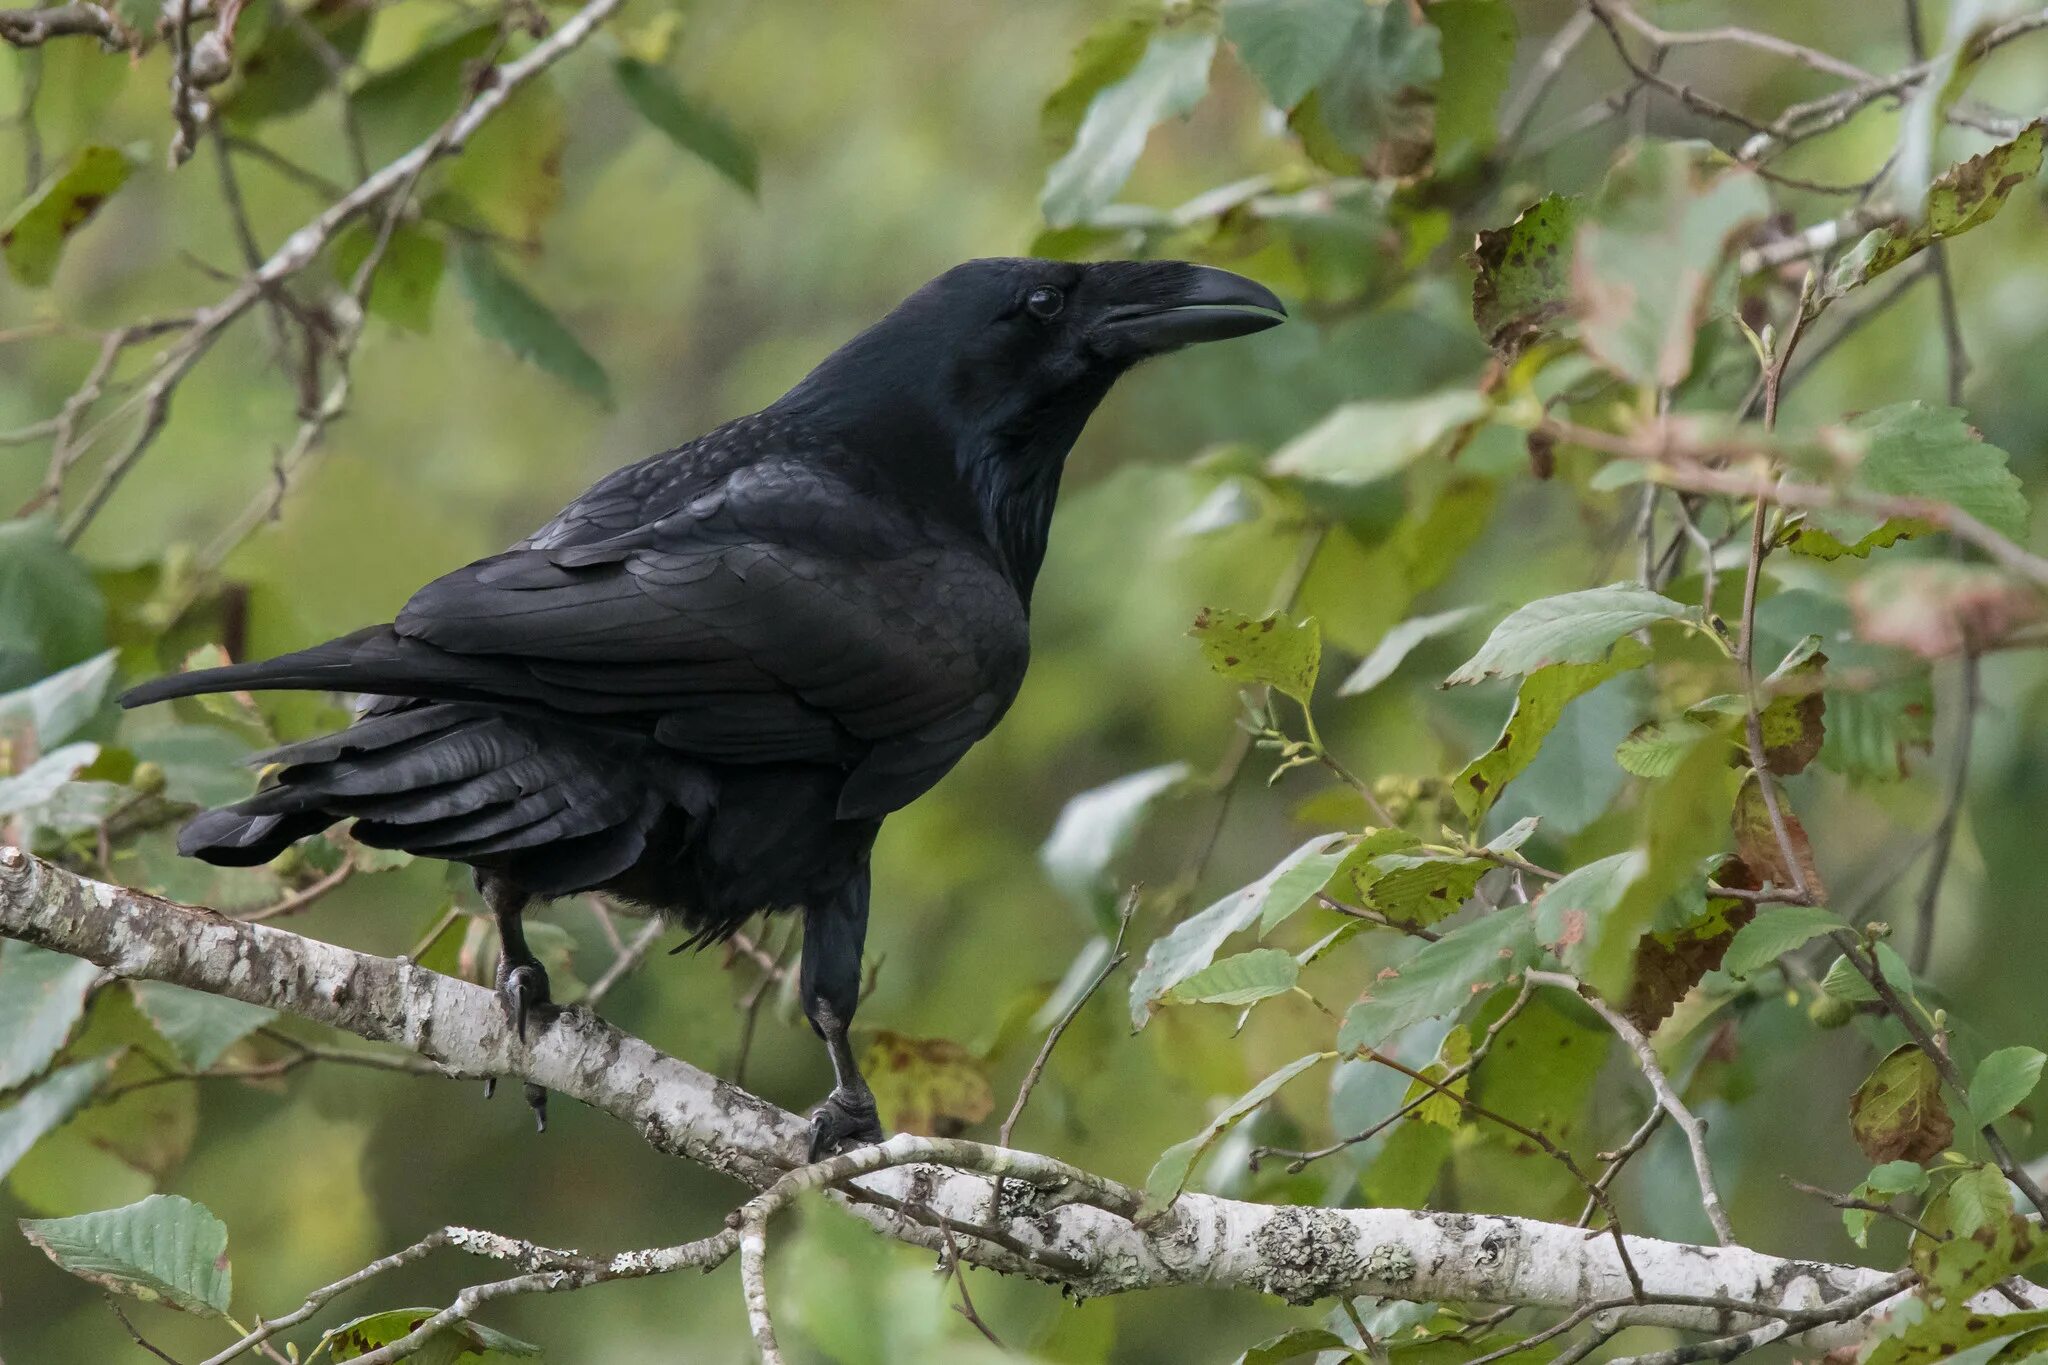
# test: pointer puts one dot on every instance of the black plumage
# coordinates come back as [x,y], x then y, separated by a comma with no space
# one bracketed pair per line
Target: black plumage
[704,684]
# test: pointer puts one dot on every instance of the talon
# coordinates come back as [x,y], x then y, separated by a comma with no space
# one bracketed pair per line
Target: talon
[843,1122]
[537,1100]
[523,989]
[490,1086]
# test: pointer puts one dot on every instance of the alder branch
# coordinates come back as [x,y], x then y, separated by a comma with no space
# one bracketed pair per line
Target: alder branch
[1062,1224]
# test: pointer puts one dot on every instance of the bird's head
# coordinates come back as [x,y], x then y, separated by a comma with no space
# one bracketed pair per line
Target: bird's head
[998,364]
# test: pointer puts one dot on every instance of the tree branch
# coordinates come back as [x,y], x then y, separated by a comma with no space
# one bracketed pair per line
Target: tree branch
[1060,1223]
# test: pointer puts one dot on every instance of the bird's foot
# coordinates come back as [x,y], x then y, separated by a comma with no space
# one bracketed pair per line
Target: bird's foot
[523,991]
[845,1120]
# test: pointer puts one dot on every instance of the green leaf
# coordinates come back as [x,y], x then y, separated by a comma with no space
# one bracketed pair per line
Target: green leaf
[1295,887]
[1539,703]
[1523,285]
[1398,643]
[1360,443]
[48,1105]
[200,1026]
[1948,1333]
[1571,910]
[408,274]
[2002,1080]
[505,312]
[1898,1112]
[1649,253]
[1296,1341]
[461,1341]
[1420,888]
[1478,54]
[1776,931]
[1168,81]
[34,235]
[402,105]
[698,130]
[1375,103]
[1239,980]
[41,782]
[510,174]
[1967,195]
[1441,977]
[42,998]
[1289,45]
[1897,1177]
[1923,451]
[1189,947]
[1169,1175]
[1107,55]
[1572,628]
[54,708]
[283,73]
[1657,748]
[51,611]
[1844,982]
[165,1250]
[1095,828]
[1794,722]
[1284,655]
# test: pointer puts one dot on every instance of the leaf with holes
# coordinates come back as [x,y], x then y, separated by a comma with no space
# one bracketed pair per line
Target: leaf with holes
[1522,290]
[1897,1113]
[165,1250]
[1571,628]
[1420,888]
[1539,703]
[1284,655]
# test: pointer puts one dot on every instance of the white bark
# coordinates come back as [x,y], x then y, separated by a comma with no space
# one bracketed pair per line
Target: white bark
[1058,1223]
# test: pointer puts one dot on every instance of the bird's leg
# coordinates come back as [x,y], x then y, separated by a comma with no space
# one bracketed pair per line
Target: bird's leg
[830,985]
[522,981]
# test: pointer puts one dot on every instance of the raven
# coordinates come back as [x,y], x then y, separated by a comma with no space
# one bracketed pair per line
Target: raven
[705,683]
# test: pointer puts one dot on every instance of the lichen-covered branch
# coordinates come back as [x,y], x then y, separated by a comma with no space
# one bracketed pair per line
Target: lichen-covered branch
[1058,1223]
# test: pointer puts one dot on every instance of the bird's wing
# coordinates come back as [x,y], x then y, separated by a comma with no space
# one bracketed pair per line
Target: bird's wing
[776,615]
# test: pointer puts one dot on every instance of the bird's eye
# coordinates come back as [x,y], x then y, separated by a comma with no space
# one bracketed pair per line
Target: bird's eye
[1044,301]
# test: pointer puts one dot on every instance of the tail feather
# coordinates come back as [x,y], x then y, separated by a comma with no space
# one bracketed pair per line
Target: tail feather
[235,837]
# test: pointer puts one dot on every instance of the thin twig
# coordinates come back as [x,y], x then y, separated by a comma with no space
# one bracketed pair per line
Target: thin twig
[1944,839]
[1850,1201]
[628,959]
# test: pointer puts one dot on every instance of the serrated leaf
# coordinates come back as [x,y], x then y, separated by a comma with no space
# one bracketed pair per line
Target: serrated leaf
[690,125]
[1649,251]
[1949,1333]
[932,1086]
[1571,628]
[1423,888]
[1776,931]
[1657,748]
[506,313]
[1241,979]
[1095,828]
[455,1343]
[1284,655]
[2002,1080]
[1289,45]
[1917,450]
[1359,443]
[1192,944]
[46,1106]
[1758,844]
[200,1026]
[42,998]
[1398,643]
[1169,1175]
[1523,285]
[1968,194]
[1570,910]
[165,1250]
[34,235]
[1897,1113]
[1441,977]
[1539,702]
[1166,82]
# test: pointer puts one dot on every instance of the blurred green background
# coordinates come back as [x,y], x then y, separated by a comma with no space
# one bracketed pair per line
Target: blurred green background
[895,139]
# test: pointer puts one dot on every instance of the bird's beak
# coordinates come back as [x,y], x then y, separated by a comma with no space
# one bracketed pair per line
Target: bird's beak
[1174,304]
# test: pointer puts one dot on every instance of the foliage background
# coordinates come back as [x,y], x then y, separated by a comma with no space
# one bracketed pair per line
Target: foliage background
[895,139]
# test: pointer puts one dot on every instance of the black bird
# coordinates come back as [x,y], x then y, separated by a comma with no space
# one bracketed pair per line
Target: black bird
[703,685]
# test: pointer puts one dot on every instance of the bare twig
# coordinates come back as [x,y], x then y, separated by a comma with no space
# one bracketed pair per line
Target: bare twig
[1850,1201]
[1944,838]
[629,958]
[33,27]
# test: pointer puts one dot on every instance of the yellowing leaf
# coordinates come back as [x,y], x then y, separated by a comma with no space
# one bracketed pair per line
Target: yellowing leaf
[1898,1113]
[925,1085]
